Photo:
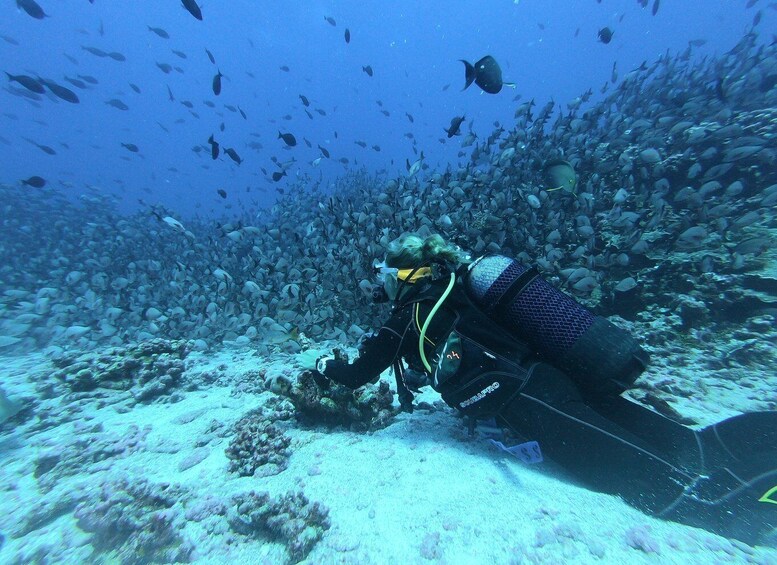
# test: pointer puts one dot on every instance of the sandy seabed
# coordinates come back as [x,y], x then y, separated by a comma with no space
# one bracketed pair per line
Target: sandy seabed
[418,491]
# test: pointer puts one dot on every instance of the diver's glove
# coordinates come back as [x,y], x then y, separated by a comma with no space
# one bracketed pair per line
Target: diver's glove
[319,378]
[319,373]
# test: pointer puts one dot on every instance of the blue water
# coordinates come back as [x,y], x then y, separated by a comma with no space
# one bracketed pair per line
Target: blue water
[413,47]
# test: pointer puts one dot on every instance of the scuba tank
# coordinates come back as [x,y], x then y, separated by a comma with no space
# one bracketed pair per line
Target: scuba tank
[601,357]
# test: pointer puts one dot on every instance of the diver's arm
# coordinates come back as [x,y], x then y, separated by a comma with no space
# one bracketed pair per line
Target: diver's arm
[377,354]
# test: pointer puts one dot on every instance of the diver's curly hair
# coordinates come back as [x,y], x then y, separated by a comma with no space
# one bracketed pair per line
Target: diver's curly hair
[410,250]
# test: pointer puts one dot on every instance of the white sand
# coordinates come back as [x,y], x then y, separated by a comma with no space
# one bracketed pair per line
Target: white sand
[419,491]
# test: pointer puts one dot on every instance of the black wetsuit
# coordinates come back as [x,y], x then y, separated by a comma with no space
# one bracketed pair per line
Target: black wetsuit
[712,478]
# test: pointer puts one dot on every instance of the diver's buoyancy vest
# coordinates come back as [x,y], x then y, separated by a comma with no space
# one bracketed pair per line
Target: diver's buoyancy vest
[599,356]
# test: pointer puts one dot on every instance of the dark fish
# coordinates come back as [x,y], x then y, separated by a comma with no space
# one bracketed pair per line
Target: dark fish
[242,113]
[288,139]
[188,104]
[181,54]
[75,82]
[655,6]
[170,95]
[757,18]
[117,56]
[309,114]
[361,143]
[720,90]
[485,73]
[233,155]
[305,101]
[347,35]
[307,142]
[214,148]
[605,35]
[385,113]
[217,83]
[768,82]
[211,57]
[284,68]
[135,87]
[94,51]
[60,91]
[614,73]
[344,160]
[35,182]
[560,175]
[45,148]
[9,39]
[376,147]
[130,147]
[88,78]
[116,103]
[160,32]
[165,68]
[368,70]
[27,82]
[409,117]
[278,175]
[32,8]
[324,151]
[192,7]
[320,112]
[454,127]
[222,192]
[331,21]
[446,87]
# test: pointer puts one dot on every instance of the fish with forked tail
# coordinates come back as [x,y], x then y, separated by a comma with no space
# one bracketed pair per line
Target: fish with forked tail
[486,73]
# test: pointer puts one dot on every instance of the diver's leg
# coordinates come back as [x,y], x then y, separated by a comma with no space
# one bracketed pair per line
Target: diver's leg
[675,442]
[740,438]
[737,495]
[605,456]
[738,500]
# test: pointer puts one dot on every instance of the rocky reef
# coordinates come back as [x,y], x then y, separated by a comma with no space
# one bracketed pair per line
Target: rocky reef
[290,518]
[148,370]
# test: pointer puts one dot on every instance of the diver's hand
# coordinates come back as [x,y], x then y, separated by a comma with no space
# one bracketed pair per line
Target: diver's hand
[319,374]
[319,378]
[321,363]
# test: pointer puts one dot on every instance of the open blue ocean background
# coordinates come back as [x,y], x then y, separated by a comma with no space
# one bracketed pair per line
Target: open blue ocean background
[549,49]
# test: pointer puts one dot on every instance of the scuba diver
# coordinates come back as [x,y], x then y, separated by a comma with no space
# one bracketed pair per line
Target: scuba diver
[498,341]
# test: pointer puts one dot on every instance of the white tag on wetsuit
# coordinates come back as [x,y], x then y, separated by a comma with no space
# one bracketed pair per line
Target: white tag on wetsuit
[528,452]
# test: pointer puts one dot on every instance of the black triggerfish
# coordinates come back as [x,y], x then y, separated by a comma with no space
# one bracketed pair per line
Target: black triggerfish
[486,74]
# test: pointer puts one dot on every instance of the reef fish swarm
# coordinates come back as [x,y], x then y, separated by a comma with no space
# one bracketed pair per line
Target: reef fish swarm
[676,189]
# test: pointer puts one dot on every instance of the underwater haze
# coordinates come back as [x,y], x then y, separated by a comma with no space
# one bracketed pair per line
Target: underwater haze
[192,199]
[548,49]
